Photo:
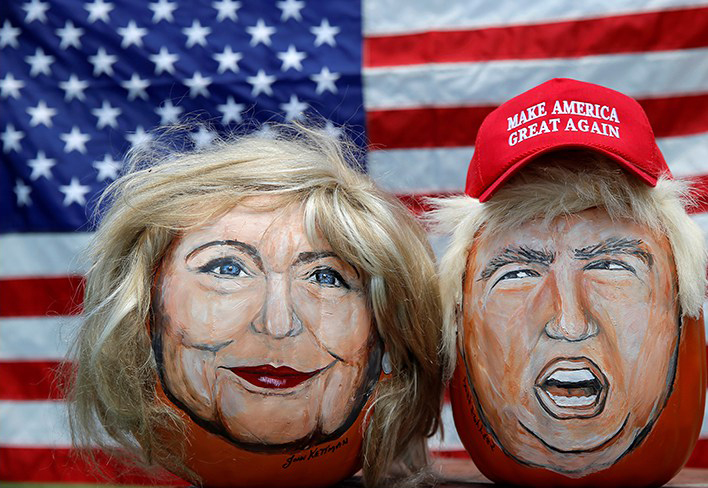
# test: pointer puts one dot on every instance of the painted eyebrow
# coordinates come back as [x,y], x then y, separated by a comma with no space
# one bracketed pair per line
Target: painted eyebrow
[616,245]
[247,248]
[309,256]
[521,254]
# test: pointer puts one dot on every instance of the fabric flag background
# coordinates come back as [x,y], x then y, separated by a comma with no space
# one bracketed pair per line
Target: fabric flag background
[81,82]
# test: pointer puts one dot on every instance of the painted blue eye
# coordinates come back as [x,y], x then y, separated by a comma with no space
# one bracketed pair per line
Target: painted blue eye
[229,269]
[610,265]
[329,278]
[226,267]
[517,275]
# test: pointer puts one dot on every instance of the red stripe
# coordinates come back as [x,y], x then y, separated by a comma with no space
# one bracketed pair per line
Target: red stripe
[46,465]
[456,454]
[30,380]
[458,126]
[634,33]
[36,297]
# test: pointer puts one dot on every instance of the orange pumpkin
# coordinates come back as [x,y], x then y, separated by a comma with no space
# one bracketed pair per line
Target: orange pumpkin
[659,456]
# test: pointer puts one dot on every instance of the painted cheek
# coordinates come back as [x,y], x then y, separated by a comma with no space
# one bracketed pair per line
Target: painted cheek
[226,317]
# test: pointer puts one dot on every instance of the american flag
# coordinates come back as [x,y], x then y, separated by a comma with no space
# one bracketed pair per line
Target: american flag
[83,81]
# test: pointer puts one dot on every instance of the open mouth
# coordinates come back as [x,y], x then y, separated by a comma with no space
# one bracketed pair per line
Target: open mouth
[267,376]
[572,388]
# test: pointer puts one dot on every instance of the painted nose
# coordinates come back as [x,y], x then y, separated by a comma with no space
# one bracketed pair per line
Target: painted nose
[571,320]
[277,317]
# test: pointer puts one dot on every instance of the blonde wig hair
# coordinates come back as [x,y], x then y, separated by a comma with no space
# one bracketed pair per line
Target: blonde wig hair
[563,183]
[164,194]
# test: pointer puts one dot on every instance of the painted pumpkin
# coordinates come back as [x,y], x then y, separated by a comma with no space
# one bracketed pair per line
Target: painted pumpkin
[575,367]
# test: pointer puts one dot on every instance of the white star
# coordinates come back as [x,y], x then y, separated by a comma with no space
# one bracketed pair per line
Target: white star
[106,115]
[293,108]
[198,85]
[132,34]
[168,112]
[290,8]
[162,10]
[261,83]
[202,138]
[324,33]
[40,62]
[260,33]
[292,58]
[36,10]
[8,34]
[136,87]
[231,110]
[107,168]
[41,114]
[227,9]
[70,35]
[196,34]
[23,193]
[164,61]
[11,139]
[74,88]
[10,86]
[332,130]
[228,60]
[98,10]
[75,140]
[41,166]
[102,62]
[74,192]
[325,81]
[139,137]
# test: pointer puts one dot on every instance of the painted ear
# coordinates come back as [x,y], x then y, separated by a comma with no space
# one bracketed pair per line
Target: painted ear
[386,365]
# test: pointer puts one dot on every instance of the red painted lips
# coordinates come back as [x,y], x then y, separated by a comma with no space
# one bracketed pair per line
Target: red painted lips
[267,376]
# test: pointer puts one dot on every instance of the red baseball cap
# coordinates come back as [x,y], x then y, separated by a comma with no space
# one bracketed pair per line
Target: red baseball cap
[562,114]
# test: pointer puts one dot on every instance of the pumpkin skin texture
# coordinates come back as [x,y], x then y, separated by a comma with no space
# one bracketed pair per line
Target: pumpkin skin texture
[573,369]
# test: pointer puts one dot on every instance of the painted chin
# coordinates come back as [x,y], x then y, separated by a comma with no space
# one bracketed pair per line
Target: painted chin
[572,388]
[266,379]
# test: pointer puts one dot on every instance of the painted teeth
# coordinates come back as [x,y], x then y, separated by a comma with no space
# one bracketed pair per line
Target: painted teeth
[572,376]
[581,401]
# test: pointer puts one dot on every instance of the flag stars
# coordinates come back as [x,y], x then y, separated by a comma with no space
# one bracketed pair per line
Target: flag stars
[168,112]
[196,34]
[261,83]
[11,139]
[41,166]
[198,85]
[22,192]
[228,60]
[136,87]
[260,33]
[132,34]
[202,137]
[35,10]
[102,62]
[107,168]
[10,86]
[226,9]
[74,192]
[98,10]
[290,9]
[41,114]
[162,10]
[292,58]
[75,140]
[39,62]
[73,88]
[70,35]
[324,33]
[139,137]
[164,61]
[8,35]
[325,81]
[106,115]
[231,111]
[294,108]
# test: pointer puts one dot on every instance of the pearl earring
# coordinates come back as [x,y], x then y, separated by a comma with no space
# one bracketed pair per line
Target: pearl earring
[386,365]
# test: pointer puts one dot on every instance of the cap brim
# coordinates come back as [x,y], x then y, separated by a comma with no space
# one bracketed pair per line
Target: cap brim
[517,166]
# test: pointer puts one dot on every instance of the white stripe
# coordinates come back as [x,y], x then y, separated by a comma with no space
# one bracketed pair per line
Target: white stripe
[51,254]
[383,17]
[37,338]
[686,155]
[656,74]
[451,441]
[34,424]
[704,426]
